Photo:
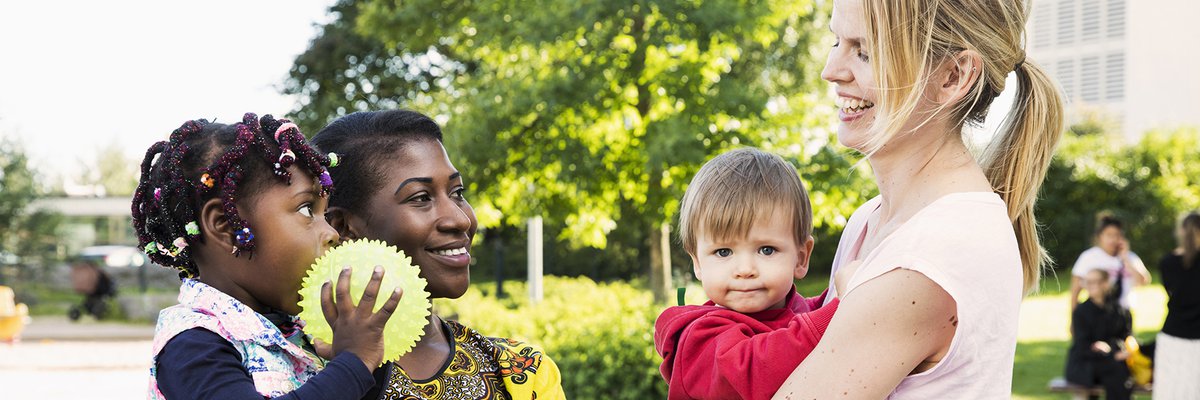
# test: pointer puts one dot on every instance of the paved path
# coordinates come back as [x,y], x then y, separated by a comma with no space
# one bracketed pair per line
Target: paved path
[58,359]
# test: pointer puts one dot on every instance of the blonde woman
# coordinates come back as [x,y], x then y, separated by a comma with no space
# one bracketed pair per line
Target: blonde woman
[931,273]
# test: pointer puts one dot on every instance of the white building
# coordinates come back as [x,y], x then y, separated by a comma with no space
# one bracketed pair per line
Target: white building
[1134,62]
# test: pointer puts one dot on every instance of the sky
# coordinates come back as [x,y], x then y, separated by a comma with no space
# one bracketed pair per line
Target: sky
[78,76]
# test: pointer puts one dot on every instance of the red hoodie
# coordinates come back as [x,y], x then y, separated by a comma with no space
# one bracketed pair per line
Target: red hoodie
[711,352]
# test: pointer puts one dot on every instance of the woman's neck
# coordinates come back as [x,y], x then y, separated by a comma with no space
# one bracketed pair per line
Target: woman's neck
[430,353]
[914,173]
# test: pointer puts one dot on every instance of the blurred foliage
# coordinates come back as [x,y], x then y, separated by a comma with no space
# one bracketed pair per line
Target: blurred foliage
[28,234]
[1148,184]
[111,170]
[595,126]
[601,335]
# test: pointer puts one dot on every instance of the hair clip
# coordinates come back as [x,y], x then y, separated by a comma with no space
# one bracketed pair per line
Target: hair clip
[244,237]
[180,243]
[287,156]
[333,160]
[161,249]
[192,228]
[157,194]
[149,249]
[207,180]
[326,183]
[282,128]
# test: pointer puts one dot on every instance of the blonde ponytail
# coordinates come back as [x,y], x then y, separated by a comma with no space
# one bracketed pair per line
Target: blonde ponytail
[1016,161]
[909,37]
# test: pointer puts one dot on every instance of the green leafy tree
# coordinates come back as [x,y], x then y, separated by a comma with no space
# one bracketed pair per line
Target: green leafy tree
[1148,184]
[113,171]
[18,188]
[592,114]
[27,233]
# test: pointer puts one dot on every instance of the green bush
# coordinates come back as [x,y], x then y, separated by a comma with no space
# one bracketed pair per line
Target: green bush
[1148,184]
[601,335]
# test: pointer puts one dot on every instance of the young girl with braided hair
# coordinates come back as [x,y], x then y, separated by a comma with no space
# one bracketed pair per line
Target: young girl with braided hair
[239,210]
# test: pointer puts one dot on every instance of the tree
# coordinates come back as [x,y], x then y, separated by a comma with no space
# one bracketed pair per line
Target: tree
[113,171]
[27,233]
[588,113]
[1148,184]
[17,189]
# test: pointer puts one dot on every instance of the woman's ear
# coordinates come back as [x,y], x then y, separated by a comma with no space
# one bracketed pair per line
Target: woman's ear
[344,222]
[215,226]
[957,75]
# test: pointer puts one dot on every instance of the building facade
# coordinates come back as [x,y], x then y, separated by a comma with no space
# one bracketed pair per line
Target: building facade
[1134,63]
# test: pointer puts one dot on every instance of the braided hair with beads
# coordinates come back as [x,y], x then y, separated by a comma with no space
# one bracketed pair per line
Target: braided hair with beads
[202,161]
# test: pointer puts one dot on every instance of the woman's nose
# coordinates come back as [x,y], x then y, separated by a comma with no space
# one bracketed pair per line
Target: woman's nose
[835,70]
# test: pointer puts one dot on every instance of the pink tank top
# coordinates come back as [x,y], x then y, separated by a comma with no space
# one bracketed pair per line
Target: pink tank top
[964,242]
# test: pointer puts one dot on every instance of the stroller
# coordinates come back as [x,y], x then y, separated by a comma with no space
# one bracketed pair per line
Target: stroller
[95,285]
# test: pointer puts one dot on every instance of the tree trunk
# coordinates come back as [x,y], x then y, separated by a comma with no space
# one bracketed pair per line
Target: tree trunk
[660,262]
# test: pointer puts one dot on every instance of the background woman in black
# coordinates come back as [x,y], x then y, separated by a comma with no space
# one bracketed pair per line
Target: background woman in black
[1177,355]
[1099,327]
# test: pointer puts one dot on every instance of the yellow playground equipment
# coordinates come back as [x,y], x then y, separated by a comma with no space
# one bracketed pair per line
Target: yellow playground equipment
[13,316]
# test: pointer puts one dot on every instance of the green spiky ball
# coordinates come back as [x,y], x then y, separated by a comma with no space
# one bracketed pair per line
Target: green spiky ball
[407,323]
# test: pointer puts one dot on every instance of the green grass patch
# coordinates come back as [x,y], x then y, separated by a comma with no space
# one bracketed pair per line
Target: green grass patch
[1043,338]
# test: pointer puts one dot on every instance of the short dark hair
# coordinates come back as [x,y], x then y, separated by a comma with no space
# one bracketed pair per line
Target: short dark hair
[1105,220]
[363,141]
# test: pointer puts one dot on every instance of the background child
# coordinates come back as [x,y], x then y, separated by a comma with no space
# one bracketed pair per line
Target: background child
[1099,327]
[747,225]
[397,184]
[239,211]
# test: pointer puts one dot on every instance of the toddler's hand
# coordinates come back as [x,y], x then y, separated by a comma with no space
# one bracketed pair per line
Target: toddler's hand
[358,329]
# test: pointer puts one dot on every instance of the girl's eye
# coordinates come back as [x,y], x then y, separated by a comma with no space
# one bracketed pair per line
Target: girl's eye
[423,198]
[836,43]
[306,210]
[723,252]
[863,56]
[458,194]
[767,250]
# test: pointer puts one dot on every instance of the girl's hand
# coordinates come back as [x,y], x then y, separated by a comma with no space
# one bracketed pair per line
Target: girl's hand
[1123,249]
[1101,347]
[358,329]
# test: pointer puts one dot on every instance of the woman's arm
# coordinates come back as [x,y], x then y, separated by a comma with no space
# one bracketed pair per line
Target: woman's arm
[882,331]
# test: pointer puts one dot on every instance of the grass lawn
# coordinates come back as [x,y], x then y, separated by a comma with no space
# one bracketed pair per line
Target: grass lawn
[1042,339]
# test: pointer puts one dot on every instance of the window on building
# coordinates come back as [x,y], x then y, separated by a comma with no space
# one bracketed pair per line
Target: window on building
[1089,27]
[1066,22]
[1089,79]
[1066,77]
[1116,18]
[1114,76]
[1043,28]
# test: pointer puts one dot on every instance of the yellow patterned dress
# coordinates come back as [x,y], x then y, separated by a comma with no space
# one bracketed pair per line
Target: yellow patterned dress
[481,368]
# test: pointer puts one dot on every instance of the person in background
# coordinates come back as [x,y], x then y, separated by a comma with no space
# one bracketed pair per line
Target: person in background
[1099,327]
[1177,349]
[1111,253]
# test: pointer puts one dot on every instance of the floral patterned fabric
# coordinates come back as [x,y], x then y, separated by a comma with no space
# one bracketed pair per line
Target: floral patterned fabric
[481,368]
[277,365]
